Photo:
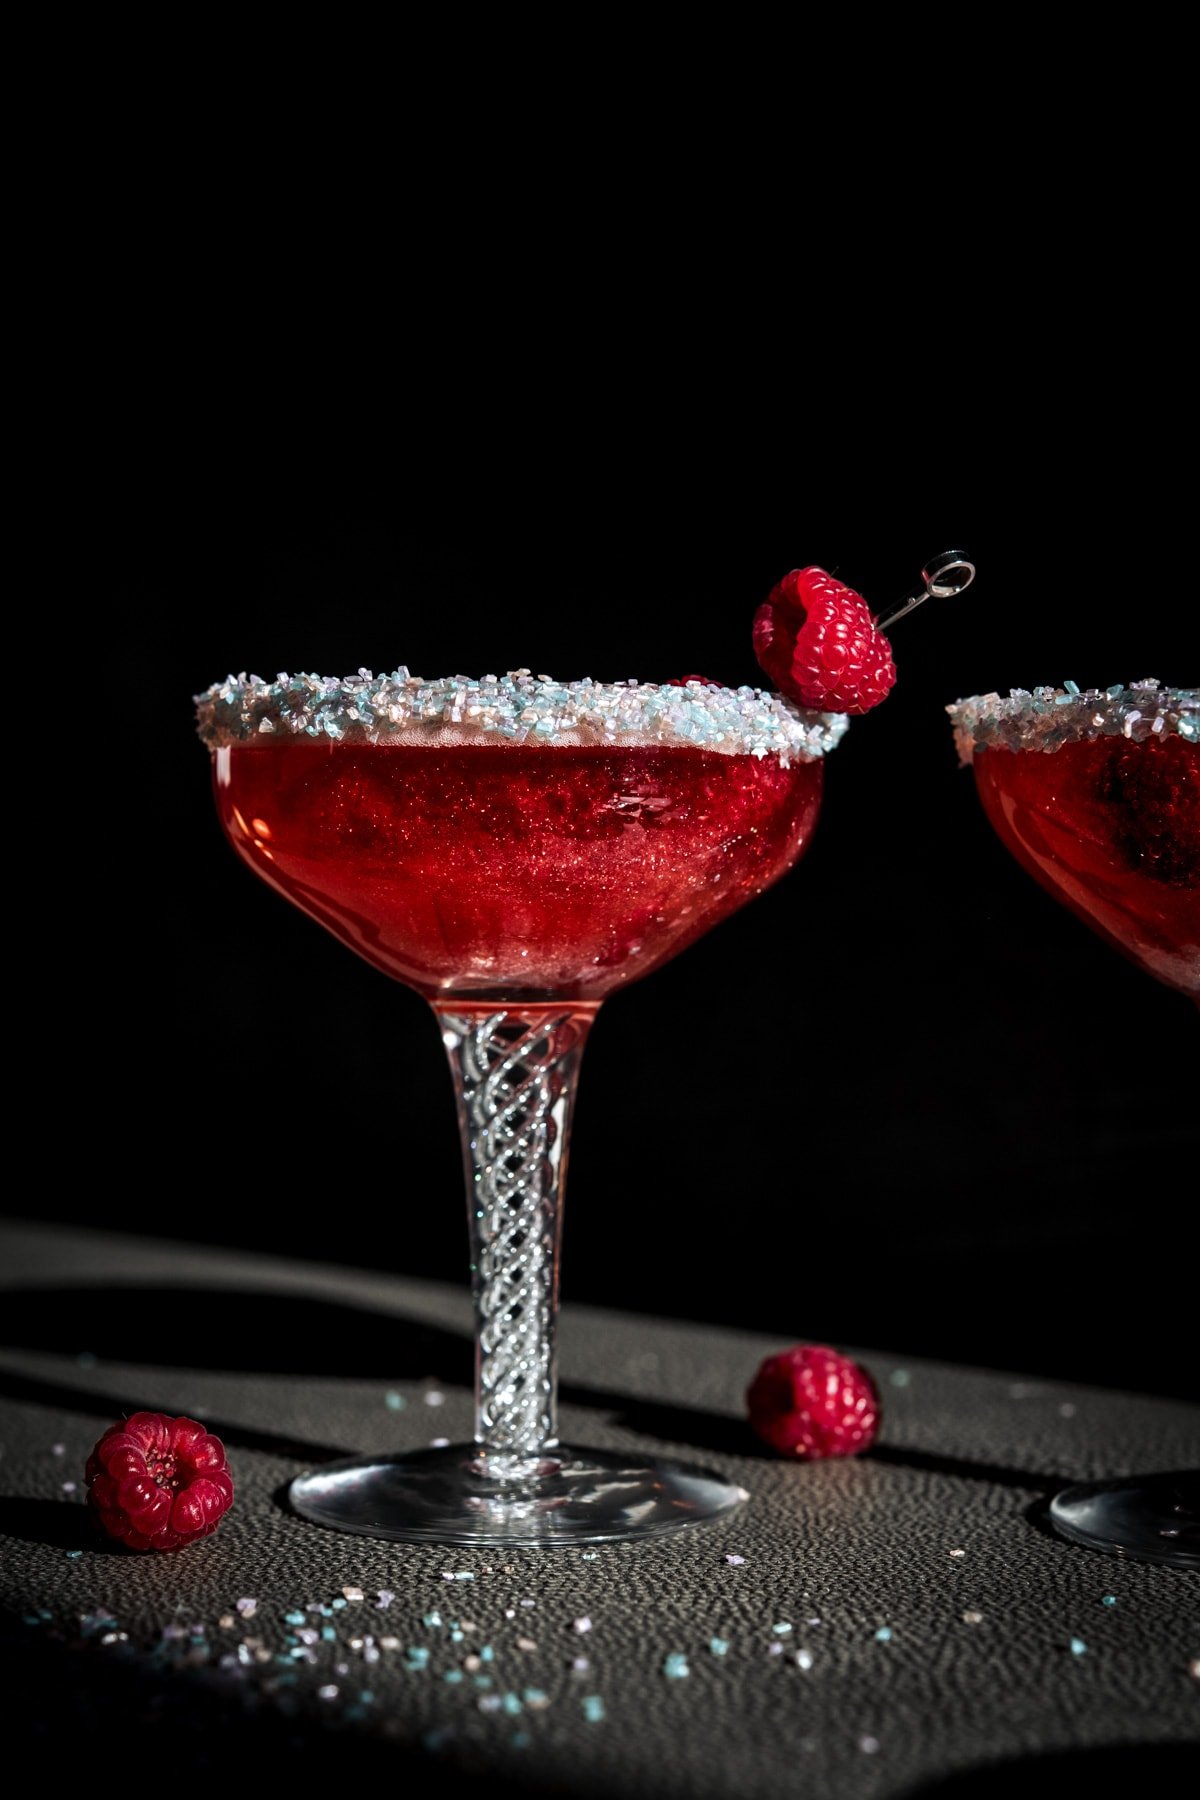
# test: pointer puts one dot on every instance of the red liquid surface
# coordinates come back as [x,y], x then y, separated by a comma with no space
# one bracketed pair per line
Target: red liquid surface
[512,872]
[1112,829]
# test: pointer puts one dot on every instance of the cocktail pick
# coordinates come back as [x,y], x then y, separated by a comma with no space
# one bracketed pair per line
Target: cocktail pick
[951,572]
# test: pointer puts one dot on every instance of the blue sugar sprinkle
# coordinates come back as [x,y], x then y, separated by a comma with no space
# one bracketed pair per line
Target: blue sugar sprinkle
[453,1675]
[718,1646]
[293,1618]
[1078,1647]
[431,1618]
[418,1656]
[593,1708]
[675,1666]
[783,1629]
[512,1703]
[1106,1599]
[395,1402]
[485,1681]
[883,1635]
[487,1653]
[329,1634]
[74,1553]
[534,1696]
[338,1603]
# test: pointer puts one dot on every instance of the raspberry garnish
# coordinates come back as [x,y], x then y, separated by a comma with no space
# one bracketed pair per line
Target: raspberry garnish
[820,645]
[157,1483]
[812,1402]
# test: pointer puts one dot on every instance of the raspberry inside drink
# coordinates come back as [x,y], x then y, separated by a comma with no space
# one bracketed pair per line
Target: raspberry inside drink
[495,870]
[1111,828]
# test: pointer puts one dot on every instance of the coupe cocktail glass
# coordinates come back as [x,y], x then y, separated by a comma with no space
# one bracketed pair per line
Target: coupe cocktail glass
[514,850]
[1097,795]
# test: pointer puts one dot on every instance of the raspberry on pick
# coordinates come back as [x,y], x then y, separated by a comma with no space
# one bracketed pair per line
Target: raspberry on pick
[158,1483]
[812,1402]
[819,643]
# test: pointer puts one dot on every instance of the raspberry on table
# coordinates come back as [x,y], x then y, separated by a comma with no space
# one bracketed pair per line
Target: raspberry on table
[810,1402]
[818,642]
[158,1483]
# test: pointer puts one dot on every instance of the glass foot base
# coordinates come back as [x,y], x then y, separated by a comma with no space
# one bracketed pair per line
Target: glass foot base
[1151,1518]
[568,1496]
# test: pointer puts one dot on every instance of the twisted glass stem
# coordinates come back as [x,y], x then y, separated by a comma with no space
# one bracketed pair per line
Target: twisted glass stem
[515,1073]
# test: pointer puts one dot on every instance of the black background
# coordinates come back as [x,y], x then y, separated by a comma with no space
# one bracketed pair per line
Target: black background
[903,1100]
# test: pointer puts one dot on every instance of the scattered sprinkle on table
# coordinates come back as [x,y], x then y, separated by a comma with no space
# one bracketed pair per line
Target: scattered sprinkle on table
[884,1635]
[735,1561]
[1078,1647]
[394,1402]
[593,1708]
[1108,1599]
[718,1646]
[675,1666]
[972,1618]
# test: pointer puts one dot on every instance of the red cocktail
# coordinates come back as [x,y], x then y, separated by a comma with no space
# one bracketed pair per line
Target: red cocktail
[1111,827]
[511,871]
[1097,795]
[513,850]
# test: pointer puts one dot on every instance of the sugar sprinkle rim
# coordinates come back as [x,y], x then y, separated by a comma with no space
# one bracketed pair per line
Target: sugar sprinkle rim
[1045,718]
[517,707]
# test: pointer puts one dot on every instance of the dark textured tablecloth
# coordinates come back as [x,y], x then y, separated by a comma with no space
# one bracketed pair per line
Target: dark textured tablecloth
[899,1624]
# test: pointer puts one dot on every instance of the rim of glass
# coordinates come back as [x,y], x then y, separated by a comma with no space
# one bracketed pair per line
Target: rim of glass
[518,707]
[1045,718]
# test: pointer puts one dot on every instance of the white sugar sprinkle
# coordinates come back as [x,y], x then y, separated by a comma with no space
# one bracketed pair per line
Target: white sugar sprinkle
[1046,718]
[515,707]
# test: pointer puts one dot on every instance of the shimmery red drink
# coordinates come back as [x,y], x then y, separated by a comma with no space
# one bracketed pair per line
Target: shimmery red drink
[1111,828]
[513,849]
[508,871]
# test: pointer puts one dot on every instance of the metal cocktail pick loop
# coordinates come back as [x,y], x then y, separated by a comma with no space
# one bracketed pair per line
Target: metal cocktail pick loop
[950,573]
